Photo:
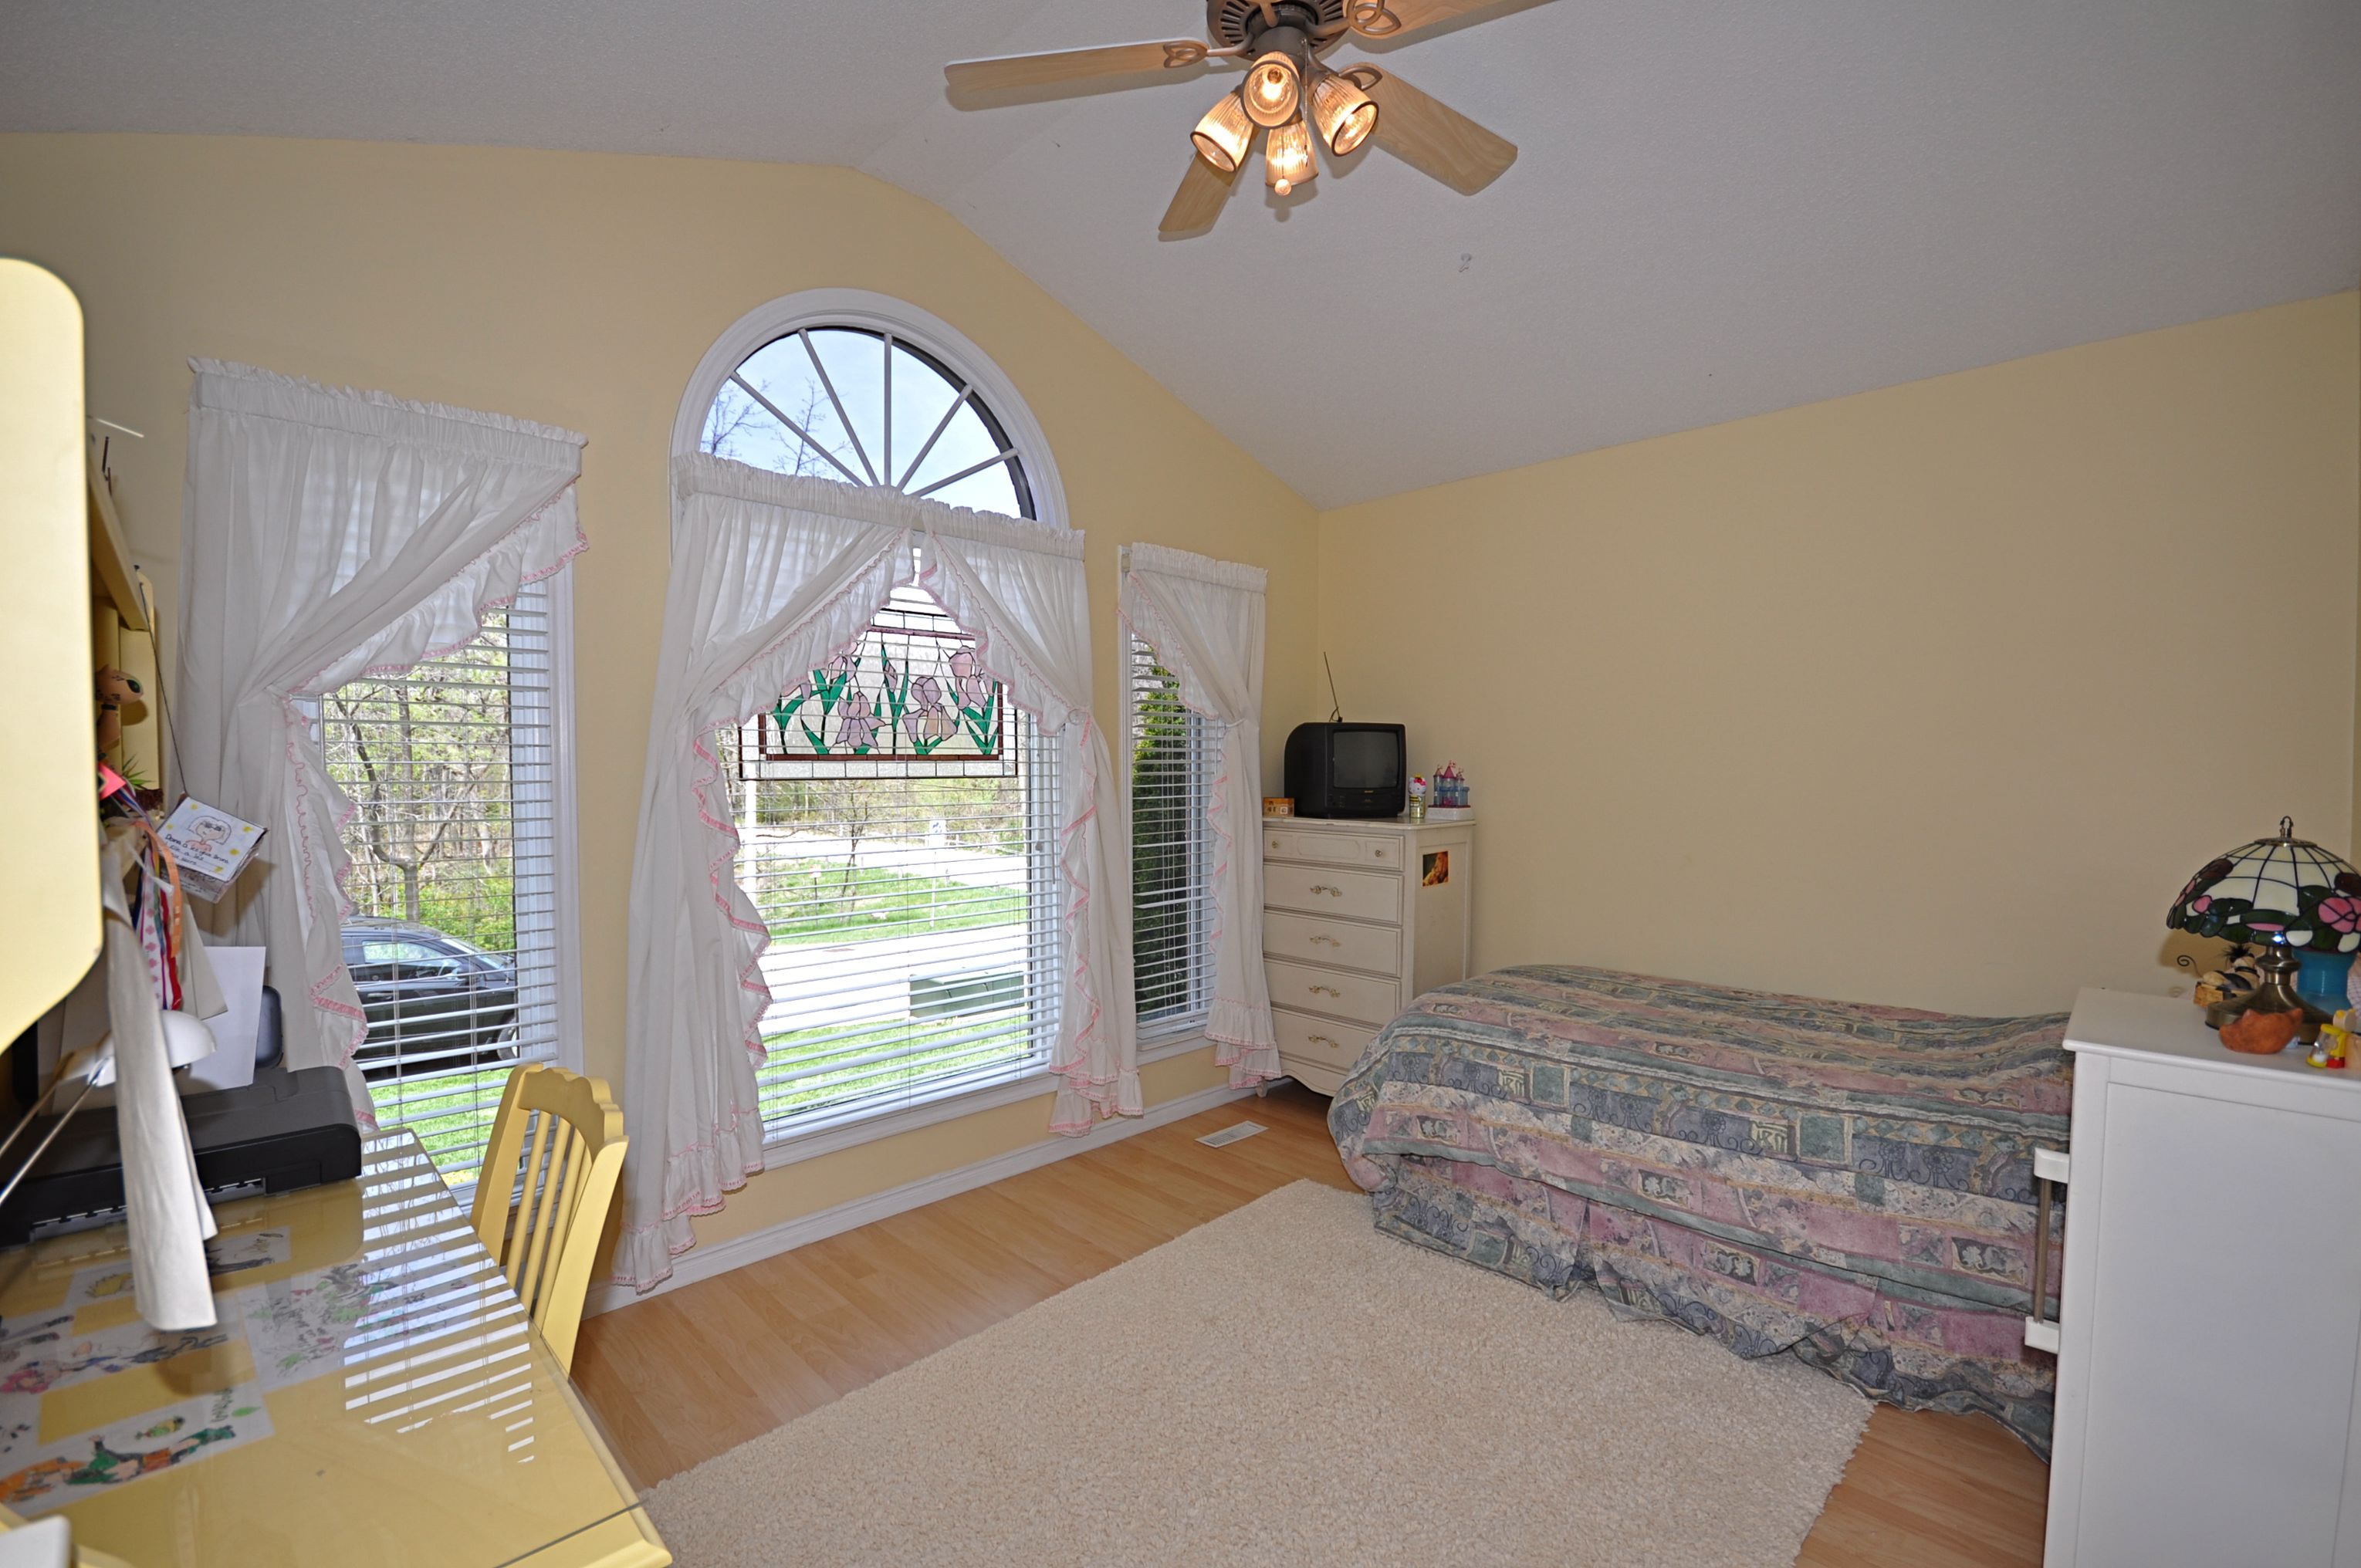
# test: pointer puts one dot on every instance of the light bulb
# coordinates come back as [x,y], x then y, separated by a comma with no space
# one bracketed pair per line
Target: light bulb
[1273,90]
[1345,113]
[1222,134]
[1287,157]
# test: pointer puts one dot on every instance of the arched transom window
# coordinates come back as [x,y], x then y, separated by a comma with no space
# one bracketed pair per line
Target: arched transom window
[869,407]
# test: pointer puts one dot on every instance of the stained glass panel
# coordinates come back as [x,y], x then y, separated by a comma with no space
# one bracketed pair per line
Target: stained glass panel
[910,697]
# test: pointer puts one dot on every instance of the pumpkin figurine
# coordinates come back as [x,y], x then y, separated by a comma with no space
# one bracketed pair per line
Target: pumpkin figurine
[2261,1034]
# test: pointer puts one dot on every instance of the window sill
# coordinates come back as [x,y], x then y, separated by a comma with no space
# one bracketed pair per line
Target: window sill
[794,1148]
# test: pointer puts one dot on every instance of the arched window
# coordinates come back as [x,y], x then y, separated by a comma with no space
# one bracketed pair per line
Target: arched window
[843,384]
[896,817]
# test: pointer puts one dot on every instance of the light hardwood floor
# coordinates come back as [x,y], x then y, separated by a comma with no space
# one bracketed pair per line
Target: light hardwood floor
[685,1375]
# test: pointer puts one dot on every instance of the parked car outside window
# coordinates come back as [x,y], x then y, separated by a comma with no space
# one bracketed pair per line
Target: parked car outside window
[436,1002]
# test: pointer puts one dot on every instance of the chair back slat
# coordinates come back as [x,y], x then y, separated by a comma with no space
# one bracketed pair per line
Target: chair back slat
[542,1195]
[536,1150]
[537,1243]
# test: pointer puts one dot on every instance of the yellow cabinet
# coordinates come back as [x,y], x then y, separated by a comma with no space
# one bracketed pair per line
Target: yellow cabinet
[49,879]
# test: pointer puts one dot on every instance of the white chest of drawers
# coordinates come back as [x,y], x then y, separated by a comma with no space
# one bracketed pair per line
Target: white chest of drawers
[1358,917]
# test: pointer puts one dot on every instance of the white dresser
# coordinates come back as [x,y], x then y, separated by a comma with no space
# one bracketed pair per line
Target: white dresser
[1358,917]
[2209,1336]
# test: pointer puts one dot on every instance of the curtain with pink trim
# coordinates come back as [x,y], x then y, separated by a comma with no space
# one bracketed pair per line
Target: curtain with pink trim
[772,574]
[1020,590]
[326,535]
[1204,619]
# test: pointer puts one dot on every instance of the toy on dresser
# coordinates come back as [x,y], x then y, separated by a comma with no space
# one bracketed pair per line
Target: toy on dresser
[2335,1043]
[1449,791]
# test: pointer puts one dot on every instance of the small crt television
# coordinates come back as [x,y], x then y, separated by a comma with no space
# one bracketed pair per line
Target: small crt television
[1348,770]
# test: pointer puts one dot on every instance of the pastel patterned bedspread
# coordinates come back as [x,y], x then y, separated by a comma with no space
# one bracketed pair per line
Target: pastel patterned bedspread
[1852,1185]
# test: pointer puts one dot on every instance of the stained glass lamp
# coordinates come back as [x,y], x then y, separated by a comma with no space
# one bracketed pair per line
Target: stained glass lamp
[2292,897]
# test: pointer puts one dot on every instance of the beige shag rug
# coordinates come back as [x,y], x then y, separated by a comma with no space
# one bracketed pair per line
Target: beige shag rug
[1285,1387]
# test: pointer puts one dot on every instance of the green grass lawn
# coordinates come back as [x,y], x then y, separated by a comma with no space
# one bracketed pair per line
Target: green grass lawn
[971,1040]
[451,1112]
[802,902]
[808,901]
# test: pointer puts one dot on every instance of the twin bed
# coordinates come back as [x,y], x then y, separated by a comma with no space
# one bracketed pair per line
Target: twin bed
[1852,1185]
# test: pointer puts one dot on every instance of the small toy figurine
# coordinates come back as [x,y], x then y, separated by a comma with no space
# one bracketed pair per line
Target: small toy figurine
[116,690]
[2335,1043]
[1417,799]
[2232,981]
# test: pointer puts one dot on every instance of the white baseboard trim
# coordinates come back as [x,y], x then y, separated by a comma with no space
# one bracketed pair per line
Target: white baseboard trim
[710,1258]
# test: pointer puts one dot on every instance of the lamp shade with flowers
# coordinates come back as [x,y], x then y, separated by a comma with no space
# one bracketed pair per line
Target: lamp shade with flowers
[2285,892]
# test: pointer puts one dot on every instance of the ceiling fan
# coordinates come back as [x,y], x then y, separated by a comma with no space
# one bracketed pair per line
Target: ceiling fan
[1288,95]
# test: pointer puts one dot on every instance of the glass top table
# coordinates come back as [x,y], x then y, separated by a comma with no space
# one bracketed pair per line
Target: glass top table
[373,1393]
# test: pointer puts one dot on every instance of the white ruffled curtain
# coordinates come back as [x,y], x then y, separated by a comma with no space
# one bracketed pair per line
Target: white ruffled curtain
[772,576]
[326,535]
[1204,620]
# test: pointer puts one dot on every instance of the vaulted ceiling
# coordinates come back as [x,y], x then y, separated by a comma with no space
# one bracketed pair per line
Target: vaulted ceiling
[1720,209]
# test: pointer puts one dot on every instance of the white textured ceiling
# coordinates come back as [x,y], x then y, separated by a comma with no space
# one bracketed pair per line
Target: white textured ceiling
[1720,208]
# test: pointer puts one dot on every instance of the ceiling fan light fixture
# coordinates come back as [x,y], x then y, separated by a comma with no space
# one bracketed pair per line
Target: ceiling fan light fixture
[1287,157]
[1222,136]
[1273,90]
[1345,115]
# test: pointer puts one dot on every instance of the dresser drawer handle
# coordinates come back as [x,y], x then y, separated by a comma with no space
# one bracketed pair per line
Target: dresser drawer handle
[1326,991]
[1331,892]
[1330,940]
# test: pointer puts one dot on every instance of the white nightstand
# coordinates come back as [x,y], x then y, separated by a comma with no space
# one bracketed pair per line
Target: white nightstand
[2208,1332]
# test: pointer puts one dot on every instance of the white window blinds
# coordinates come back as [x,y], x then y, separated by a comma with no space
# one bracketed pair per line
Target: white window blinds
[912,901]
[453,942]
[1174,758]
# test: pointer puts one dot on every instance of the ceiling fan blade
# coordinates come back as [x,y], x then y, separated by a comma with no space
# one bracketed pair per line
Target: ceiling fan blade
[1392,19]
[1199,201]
[1432,137]
[1018,72]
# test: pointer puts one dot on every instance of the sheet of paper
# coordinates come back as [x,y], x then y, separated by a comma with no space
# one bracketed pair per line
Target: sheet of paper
[56,1357]
[39,1354]
[296,1328]
[233,1252]
[240,971]
[57,1474]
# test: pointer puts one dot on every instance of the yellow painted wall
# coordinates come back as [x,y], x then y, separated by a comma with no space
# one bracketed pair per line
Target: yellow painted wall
[580,290]
[1929,696]
[2356,650]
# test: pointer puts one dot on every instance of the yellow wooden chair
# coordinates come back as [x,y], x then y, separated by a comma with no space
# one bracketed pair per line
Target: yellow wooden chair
[546,1245]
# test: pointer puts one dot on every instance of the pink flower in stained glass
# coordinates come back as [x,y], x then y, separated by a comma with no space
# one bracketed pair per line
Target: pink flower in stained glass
[2341,912]
[857,725]
[2199,905]
[974,691]
[927,695]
